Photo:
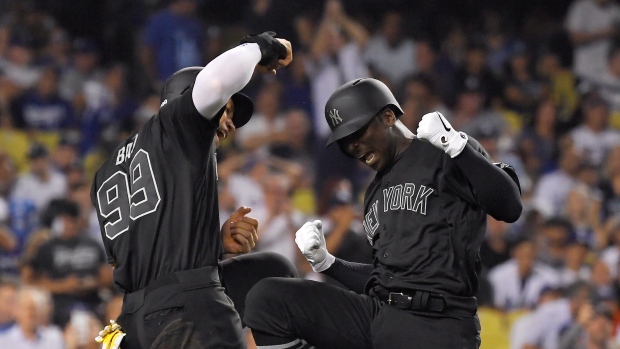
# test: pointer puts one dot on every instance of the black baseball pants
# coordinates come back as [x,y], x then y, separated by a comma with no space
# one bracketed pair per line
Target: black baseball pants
[194,309]
[281,312]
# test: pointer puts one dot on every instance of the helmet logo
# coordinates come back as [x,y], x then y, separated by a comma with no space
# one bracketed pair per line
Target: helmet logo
[335,117]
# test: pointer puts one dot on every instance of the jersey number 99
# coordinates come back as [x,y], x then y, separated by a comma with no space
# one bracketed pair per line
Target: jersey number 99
[122,199]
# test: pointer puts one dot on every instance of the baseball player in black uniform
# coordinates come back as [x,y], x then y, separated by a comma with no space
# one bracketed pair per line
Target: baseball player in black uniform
[425,217]
[156,199]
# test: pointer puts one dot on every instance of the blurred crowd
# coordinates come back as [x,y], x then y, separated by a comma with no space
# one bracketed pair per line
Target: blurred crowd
[537,84]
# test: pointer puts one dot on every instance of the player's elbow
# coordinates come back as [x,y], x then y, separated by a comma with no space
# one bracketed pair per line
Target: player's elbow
[511,212]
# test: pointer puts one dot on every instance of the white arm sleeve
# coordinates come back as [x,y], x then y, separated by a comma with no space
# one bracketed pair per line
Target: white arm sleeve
[224,76]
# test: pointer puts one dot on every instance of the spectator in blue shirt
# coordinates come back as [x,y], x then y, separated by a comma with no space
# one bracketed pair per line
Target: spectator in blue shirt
[174,39]
[42,108]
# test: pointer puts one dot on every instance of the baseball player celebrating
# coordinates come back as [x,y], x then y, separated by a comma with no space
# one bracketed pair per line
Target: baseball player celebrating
[156,200]
[425,217]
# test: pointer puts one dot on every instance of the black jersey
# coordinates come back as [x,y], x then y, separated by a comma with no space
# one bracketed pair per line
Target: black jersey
[425,224]
[156,197]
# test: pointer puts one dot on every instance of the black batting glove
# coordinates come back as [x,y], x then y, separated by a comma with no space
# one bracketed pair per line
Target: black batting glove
[270,48]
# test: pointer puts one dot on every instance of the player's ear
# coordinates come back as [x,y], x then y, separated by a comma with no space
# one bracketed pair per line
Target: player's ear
[388,117]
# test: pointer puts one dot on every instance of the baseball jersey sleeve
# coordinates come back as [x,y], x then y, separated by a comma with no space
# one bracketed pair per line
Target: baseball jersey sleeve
[353,275]
[478,181]
[222,77]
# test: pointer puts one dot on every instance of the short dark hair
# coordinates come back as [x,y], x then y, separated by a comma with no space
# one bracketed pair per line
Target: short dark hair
[574,290]
[37,150]
[558,222]
[68,207]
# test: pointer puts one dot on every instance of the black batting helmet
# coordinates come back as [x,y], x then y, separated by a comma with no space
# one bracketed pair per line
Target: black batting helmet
[354,104]
[180,81]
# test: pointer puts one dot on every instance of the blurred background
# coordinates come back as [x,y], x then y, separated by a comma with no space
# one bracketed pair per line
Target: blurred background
[537,82]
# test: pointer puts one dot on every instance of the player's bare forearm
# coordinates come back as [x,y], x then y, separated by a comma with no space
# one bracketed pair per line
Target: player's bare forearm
[8,241]
[497,193]
[353,275]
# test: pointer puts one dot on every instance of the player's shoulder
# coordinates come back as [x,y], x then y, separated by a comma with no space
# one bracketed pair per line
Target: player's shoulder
[119,156]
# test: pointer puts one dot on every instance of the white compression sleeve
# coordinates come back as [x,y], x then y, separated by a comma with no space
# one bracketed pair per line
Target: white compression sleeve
[222,77]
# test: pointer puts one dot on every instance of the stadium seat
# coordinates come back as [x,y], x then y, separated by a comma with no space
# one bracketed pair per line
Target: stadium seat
[15,144]
[495,332]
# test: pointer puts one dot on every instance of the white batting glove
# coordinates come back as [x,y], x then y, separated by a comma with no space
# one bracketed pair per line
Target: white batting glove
[434,128]
[311,242]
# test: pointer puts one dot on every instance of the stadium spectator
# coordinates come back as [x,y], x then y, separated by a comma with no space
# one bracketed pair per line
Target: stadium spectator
[8,290]
[474,75]
[57,51]
[267,125]
[537,142]
[391,56]
[84,67]
[422,91]
[277,230]
[108,107]
[542,330]
[552,189]
[554,235]
[42,183]
[523,90]
[296,143]
[594,137]
[41,108]
[173,39]
[494,249]
[333,60]
[593,329]
[70,265]
[608,85]
[518,282]
[296,95]
[592,25]
[574,268]
[19,72]
[561,84]
[28,332]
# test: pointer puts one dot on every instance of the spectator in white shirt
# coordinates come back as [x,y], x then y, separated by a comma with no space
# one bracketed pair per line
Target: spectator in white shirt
[592,24]
[28,333]
[42,183]
[518,282]
[267,126]
[390,55]
[555,233]
[334,59]
[518,332]
[575,267]
[611,255]
[552,189]
[543,327]
[594,137]
[277,230]
[601,281]
[608,84]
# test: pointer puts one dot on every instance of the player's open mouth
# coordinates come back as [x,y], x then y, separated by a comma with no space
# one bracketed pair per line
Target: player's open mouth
[367,157]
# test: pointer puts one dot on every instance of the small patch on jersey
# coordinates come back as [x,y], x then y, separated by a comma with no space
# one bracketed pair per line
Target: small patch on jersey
[164,103]
[334,116]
